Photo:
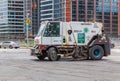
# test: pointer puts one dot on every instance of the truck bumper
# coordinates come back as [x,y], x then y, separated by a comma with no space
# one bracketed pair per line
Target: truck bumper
[35,52]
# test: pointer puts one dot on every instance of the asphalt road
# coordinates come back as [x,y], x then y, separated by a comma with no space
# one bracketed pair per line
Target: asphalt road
[18,65]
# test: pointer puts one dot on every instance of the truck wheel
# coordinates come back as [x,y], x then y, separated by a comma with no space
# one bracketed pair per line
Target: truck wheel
[16,47]
[42,57]
[11,47]
[96,52]
[52,54]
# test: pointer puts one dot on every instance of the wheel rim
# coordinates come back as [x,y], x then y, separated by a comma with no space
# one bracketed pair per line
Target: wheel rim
[97,52]
[53,55]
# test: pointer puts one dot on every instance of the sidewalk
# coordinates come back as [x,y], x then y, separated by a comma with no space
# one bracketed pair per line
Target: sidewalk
[26,47]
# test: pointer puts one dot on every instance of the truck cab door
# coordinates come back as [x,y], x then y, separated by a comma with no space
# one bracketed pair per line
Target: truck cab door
[56,33]
[51,34]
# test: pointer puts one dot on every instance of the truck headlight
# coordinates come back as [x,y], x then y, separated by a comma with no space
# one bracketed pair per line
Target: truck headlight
[36,41]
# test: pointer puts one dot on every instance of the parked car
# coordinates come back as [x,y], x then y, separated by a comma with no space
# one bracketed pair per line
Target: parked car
[112,45]
[9,44]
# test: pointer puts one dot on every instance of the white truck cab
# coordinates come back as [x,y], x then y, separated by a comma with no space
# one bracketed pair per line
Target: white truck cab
[76,39]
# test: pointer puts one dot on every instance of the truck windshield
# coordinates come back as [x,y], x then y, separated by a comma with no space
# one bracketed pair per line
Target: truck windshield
[52,30]
[41,29]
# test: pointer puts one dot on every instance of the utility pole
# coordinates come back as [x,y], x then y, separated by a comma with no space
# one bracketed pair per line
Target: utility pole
[27,20]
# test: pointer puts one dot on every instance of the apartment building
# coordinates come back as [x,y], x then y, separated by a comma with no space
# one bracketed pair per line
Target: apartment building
[104,11]
[12,16]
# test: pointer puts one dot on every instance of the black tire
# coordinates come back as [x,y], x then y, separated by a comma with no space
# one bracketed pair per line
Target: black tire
[52,54]
[0,47]
[42,57]
[16,47]
[11,47]
[96,52]
[4,47]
